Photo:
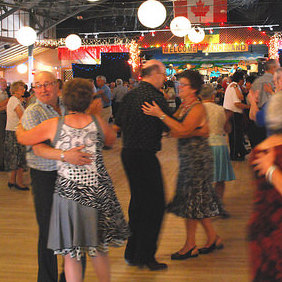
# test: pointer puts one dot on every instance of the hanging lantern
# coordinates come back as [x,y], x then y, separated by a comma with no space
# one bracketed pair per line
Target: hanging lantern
[180,26]
[73,42]
[196,35]
[26,36]
[22,68]
[152,13]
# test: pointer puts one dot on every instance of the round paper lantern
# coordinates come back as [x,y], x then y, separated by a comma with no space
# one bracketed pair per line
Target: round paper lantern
[196,35]
[26,36]
[180,26]
[22,68]
[73,42]
[152,13]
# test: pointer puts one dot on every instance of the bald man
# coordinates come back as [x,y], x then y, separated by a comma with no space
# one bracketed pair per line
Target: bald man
[141,141]
[41,159]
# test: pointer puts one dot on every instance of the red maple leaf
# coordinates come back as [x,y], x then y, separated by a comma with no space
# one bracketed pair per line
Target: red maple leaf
[200,10]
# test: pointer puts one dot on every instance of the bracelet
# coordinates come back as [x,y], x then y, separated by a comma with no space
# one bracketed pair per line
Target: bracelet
[162,117]
[62,156]
[269,172]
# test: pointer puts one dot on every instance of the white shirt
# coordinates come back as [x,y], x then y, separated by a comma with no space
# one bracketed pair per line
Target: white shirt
[230,98]
[12,117]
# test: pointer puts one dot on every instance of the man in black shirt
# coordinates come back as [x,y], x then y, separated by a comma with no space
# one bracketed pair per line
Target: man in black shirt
[141,140]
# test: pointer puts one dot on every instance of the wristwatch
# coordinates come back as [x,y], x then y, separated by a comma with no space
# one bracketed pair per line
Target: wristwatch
[162,117]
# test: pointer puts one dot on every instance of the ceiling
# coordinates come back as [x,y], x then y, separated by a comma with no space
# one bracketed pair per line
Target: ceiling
[82,16]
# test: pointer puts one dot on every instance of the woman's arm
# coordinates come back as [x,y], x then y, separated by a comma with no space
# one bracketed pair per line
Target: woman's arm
[178,129]
[44,131]
[109,133]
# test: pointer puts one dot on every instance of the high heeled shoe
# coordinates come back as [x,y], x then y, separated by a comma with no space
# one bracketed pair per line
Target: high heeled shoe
[178,256]
[18,187]
[214,246]
[11,185]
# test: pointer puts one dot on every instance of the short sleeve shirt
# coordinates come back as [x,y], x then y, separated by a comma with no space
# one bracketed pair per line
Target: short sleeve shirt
[230,98]
[12,117]
[140,131]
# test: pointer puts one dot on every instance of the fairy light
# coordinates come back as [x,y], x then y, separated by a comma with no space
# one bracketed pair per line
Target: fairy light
[274,45]
[134,53]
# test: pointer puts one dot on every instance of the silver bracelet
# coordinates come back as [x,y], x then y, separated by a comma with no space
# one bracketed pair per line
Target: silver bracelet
[62,156]
[162,117]
[269,172]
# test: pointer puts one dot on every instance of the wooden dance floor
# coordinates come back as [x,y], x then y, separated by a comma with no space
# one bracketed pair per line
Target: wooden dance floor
[18,227]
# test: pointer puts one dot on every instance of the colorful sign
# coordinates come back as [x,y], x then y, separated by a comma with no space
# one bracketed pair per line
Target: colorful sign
[212,48]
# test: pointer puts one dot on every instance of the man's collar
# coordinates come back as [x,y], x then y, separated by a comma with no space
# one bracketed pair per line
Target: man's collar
[60,103]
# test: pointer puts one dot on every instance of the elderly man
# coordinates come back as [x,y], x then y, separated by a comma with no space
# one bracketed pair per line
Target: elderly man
[105,93]
[3,117]
[141,141]
[118,94]
[43,169]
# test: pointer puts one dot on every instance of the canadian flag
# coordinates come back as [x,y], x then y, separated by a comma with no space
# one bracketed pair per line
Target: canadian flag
[201,11]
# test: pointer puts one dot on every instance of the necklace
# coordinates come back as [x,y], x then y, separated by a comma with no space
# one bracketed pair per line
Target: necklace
[185,108]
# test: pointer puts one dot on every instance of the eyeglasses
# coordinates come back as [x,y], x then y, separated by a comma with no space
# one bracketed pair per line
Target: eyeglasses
[46,84]
[184,84]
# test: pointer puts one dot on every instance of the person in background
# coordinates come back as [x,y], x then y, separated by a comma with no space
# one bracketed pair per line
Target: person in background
[86,215]
[14,155]
[195,199]
[132,83]
[219,126]
[4,98]
[265,224]
[170,95]
[215,74]
[234,69]
[118,93]
[170,71]
[233,102]
[105,93]
[141,141]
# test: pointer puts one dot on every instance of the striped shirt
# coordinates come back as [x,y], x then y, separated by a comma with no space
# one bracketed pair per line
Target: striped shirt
[34,115]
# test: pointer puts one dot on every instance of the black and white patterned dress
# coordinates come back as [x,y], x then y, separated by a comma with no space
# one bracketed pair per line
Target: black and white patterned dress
[86,215]
[195,197]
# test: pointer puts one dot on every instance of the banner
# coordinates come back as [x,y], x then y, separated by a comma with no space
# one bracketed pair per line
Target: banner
[89,54]
[201,11]
[212,48]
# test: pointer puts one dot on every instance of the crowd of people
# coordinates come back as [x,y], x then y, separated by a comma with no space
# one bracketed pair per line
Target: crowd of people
[65,127]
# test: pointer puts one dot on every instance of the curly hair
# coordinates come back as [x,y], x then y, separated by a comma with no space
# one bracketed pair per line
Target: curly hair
[195,79]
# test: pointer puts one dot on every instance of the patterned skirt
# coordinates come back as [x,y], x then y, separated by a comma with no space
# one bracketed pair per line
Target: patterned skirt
[85,219]
[14,153]
[195,197]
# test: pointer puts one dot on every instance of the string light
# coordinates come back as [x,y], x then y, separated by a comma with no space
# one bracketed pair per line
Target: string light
[274,45]
[134,54]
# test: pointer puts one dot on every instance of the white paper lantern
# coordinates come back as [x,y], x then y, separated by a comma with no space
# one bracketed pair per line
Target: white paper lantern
[22,68]
[26,36]
[180,26]
[196,35]
[152,13]
[73,42]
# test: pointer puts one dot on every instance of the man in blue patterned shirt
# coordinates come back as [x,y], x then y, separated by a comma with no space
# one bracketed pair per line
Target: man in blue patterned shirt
[41,159]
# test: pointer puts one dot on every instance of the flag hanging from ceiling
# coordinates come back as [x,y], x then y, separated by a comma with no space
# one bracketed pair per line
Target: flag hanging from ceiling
[201,11]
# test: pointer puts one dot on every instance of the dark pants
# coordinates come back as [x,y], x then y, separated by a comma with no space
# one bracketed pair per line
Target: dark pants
[236,137]
[256,133]
[147,204]
[3,118]
[43,183]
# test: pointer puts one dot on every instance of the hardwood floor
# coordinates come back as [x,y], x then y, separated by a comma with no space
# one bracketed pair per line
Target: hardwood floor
[18,227]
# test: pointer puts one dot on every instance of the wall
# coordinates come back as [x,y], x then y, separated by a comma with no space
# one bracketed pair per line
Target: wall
[47,60]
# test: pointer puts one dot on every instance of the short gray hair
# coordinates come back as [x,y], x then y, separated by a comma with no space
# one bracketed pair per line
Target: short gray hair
[274,113]
[119,81]
[207,91]
[269,64]
[102,78]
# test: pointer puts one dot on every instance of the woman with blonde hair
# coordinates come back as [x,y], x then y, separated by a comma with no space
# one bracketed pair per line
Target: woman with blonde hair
[14,154]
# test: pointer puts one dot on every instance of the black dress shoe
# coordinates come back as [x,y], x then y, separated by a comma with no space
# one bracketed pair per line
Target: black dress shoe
[21,188]
[154,265]
[11,185]
[130,262]
[178,256]
[211,248]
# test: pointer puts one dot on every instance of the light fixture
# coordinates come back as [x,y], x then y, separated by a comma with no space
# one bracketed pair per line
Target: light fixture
[271,28]
[96,35]
[180,26]
[22,68]
[196,35]
[73,42]
[151,13]
[259,28]
[26,36]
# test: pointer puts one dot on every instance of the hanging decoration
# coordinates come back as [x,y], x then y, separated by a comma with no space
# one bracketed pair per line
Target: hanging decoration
[196,35]
[274,45]
[26,36]
[180,26]
[151,13]
[134,53]
[73,42]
